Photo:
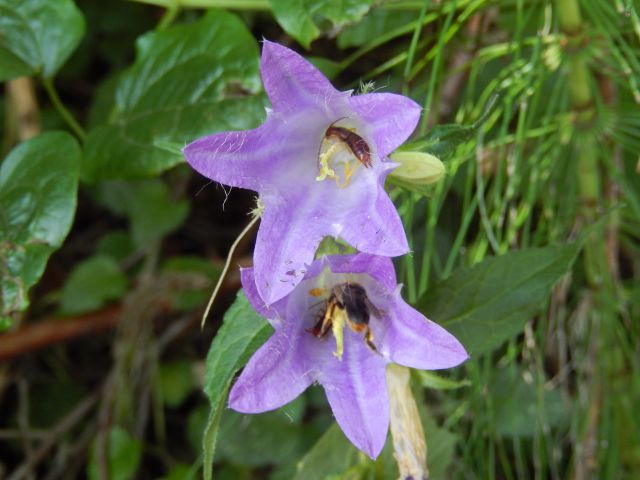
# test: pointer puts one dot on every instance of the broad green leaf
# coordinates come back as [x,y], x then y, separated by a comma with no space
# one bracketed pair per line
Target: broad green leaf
[5,323]
[242,332]
[148,204]
[271,438]
[377,23]
[91,284]
[192,264]
[37,36]
[124,454]
[487,304]
[187,81]
[191,299]
[333,454]
[182,471]
[520,409]
[304,19]
[116,244]
[38,185]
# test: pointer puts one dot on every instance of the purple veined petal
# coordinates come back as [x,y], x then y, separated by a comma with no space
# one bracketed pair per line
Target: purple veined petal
[293,84]
[275,375]
[390,118]
[379,268]
[409,338]
[288,237]
[356,389]
[293,227]
[375,227]
[247,159]
[275,313]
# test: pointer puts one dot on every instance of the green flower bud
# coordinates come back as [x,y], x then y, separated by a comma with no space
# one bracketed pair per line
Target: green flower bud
[417,167]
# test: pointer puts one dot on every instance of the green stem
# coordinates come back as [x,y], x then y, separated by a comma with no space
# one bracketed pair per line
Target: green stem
[62,110]
[569,16]
[169,16]
[228,4]
[414,43]
[592,427]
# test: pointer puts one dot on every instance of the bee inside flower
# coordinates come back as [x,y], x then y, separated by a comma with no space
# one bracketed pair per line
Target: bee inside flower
[357,299]
[346,305]
[318,162]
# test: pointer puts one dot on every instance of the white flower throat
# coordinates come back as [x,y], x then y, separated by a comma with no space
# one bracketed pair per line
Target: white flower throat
[343,150]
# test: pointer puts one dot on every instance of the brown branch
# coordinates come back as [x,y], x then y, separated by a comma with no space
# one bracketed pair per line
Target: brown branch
[23,107]
[59,330]
[55,330]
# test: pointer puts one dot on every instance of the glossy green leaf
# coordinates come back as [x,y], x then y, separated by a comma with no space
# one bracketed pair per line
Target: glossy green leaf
[91,284]
[187,81]
[242,332]
[37,36]
[304,19]
[124,454]
[38,185]
[487,304]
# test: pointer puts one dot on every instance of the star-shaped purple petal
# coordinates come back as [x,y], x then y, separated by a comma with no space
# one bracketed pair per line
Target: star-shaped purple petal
[355,385]
[282,161]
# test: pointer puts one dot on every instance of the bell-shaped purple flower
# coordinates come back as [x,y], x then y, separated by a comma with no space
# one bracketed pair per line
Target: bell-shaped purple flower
[340,327]
[318,162]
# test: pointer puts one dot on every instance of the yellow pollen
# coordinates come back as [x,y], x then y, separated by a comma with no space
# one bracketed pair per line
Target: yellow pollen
[337,327]
[317,292]
[326,171]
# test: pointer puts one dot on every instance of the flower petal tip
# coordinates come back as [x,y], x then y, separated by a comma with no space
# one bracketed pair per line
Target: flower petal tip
[372,450]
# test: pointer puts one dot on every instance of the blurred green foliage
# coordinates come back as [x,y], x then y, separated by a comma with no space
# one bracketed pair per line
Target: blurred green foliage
[528,249]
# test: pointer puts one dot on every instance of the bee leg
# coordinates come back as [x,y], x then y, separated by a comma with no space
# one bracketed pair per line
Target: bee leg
[322,326]
[368,338]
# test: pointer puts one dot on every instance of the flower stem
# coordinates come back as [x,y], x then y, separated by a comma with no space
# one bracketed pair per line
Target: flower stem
[569,16]
[409,441]
[62,110]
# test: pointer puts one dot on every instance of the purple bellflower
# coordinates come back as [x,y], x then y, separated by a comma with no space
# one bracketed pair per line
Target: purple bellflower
[370,326]
[318,162]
